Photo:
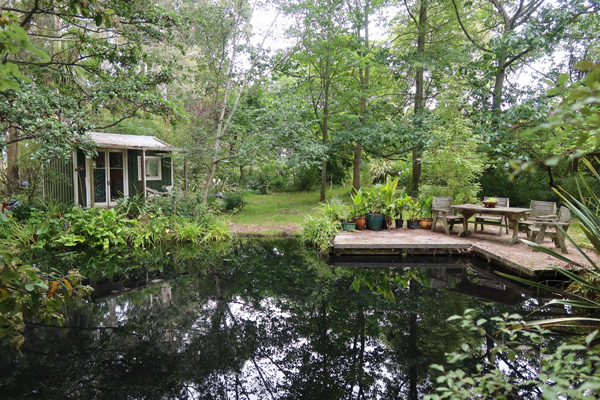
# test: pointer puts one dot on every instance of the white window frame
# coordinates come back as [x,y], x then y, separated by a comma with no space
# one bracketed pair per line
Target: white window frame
[150,178]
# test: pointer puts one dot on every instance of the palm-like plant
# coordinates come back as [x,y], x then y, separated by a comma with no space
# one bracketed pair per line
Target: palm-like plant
[587,210]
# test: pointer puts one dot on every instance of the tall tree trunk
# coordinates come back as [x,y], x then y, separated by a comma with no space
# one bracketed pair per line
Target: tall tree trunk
[214,160]
[12,155]
[325,121]
[499,84]
[356,162]
[419,104]
[364,82]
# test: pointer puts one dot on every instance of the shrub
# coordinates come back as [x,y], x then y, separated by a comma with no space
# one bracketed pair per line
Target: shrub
[203,228]
[567,372]
[520,190]
[451,157]
[335,210]
[234,201]
[318,231]
[132,206]
[184,202]
[189,231]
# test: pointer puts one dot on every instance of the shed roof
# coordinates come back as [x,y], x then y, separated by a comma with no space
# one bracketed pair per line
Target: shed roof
[121,141]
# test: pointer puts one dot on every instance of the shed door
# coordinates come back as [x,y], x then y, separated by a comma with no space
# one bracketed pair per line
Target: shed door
[109,177]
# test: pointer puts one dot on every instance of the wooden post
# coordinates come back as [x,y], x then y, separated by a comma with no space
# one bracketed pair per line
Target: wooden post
[143,172]
[92,192]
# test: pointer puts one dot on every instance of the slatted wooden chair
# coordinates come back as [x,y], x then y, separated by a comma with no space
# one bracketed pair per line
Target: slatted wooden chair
[500,220]
[540,211]
[549,228]
[441,207]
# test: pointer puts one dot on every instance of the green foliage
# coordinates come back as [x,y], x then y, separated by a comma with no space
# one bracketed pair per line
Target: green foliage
[520,189]
[132,206]
[13,39]
[452,158]
[95,227]
[202,229]
[335,210]
[179,202]
[570,371]
[27,293]
[576,121]
[189,231]
[148,232]
[359,207]
[234,201]
[318,231]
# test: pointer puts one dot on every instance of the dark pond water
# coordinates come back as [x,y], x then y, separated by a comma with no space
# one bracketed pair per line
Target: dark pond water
[262,320]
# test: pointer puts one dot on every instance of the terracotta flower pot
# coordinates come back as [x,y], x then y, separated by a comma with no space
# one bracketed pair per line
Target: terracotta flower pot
[426,223]
[361,222]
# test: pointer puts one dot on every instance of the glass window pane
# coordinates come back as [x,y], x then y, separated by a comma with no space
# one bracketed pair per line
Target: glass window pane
[115,160]
[152,167]
[99,160]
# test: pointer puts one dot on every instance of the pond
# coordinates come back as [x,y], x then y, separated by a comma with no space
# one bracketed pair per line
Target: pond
[263,319]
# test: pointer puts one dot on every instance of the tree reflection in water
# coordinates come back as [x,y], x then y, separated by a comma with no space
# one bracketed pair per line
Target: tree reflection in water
[256,319]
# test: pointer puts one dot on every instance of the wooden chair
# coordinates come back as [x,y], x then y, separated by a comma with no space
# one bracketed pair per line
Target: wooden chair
[540,211]
[441,207]
[549,228]
[500,220]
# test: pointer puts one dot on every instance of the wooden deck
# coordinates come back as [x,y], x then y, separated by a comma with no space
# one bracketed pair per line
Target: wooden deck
[517,258]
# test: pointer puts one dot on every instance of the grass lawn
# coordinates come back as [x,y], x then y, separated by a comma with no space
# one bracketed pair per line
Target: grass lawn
[280,212]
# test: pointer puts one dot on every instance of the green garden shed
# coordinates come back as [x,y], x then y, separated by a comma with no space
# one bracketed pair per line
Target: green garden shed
[124,166]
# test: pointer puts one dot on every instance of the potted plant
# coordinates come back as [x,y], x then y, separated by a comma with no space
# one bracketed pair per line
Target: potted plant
[425,221]
[399,206]
[388,198]
[373,204]
[359,209]
[348,225]
[414,211]
[490,202]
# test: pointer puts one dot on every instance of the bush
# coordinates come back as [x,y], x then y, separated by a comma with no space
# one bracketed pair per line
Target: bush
[132,206]
[306,179]
[234,201]
[520,190]
[203,228]
[184,202]
[318,231]
[335,210]
[451,157]
[570,371]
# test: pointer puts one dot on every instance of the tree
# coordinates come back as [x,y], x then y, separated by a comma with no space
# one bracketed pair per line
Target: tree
[97,60]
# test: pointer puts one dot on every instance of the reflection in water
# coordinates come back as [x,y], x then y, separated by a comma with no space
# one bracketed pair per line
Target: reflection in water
[259,320]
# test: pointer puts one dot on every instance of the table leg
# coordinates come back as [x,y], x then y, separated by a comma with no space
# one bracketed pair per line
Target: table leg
[540,235]
[515,227]
[466,232]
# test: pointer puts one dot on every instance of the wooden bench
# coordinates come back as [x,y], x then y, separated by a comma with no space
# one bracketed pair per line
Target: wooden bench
[441,207]
[540,211]
[495,220]
[542,229]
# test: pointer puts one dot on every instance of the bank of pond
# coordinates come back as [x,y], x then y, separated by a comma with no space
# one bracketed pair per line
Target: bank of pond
[271,319]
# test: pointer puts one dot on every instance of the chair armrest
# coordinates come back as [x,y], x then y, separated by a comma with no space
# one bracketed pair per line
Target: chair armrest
[550,223]
[545,217]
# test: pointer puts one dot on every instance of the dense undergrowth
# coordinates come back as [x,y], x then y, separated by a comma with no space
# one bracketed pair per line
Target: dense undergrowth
[85,245]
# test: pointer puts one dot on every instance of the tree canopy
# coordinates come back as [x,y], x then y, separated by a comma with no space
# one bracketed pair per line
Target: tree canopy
[305,88]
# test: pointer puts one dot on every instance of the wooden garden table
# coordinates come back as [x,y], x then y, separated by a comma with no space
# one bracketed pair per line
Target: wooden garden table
[513,214]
